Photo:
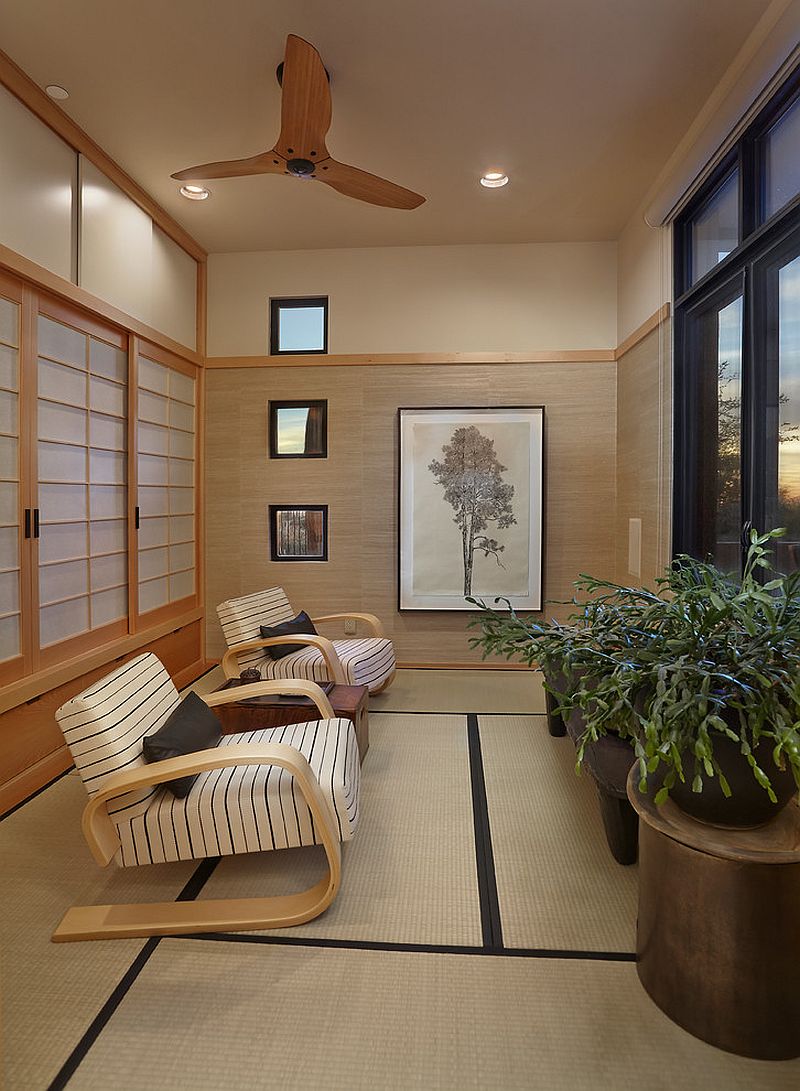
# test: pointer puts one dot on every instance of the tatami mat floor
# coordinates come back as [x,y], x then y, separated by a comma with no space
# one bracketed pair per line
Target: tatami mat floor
[428,971]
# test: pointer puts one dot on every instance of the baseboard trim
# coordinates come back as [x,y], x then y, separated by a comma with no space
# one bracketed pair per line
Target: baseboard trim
[32,780]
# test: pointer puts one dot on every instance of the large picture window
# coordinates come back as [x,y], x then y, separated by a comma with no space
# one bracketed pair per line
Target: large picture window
[737,346]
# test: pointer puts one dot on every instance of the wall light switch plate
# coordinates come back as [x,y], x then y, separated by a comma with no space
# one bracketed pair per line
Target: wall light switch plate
[635,548]
[350,626]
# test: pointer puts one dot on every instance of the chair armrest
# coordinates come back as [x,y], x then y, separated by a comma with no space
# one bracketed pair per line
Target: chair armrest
[101,833]
[260,689]
[230,666]
[374,622]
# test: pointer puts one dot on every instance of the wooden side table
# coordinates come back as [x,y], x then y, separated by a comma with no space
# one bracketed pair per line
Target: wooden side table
[718,938]
[349,702]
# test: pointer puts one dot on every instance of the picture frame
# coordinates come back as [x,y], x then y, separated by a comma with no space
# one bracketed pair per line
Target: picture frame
[470,507]
[298,532]
[298,428]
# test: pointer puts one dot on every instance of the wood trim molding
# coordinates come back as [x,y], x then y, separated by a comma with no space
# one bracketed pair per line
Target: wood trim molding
[42,278]
[42,681]
[399,359]
[646,328]
[31,95]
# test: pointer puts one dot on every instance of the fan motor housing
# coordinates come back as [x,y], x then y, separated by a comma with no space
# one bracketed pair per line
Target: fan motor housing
[301,168]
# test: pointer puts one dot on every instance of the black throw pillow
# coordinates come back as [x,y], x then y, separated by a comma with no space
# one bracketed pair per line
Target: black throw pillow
[300,624]
[190,727]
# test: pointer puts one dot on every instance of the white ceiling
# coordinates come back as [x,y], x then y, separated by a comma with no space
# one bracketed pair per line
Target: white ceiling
[579,101]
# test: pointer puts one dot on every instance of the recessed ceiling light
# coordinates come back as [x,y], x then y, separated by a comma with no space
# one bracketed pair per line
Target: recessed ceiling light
[195,193]
[493,179]
[55,91]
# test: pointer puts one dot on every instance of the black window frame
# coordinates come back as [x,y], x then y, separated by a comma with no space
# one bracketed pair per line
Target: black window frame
[273,533]
[297,403]
[760,239]
[293,303]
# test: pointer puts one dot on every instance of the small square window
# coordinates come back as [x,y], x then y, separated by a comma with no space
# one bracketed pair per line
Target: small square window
[298,429]
[298,325]
[298,533]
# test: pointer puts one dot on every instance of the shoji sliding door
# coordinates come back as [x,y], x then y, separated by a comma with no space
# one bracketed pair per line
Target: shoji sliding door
[12,649]
[166,427]
[80,512]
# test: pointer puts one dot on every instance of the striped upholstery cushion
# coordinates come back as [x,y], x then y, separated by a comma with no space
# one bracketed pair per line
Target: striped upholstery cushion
[367,662]
[248,808]
[104,726]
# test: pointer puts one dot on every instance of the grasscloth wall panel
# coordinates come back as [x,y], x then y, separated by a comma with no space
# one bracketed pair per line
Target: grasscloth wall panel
[644,429]
[358,481]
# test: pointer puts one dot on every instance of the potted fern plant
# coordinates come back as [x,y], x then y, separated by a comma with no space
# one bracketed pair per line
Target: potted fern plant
[702,675]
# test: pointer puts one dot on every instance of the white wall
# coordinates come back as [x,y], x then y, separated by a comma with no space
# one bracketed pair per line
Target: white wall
[503,298]
[37,187]
[644,273]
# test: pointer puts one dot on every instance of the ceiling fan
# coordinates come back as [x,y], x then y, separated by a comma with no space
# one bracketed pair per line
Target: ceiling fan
[301,150]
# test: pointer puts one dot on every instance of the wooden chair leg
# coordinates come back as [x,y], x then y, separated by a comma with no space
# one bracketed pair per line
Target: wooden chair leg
[621,825]
[555,722]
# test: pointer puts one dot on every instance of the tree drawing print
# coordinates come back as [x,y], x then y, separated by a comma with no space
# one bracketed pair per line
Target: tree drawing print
[471,476]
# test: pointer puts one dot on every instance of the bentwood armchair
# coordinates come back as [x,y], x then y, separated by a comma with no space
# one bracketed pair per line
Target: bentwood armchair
[270,789]
[367,661]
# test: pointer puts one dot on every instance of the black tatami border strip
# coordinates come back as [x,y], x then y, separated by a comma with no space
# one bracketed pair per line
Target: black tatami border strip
[411,712]
[413,948]
[491,924]
[197,881]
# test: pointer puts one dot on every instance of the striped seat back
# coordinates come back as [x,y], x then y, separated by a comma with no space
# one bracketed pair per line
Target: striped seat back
[241,620]
[104,726]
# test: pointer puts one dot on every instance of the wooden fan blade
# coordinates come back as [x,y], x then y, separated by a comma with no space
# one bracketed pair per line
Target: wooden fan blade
[305,104]
[264,163]
[353,182]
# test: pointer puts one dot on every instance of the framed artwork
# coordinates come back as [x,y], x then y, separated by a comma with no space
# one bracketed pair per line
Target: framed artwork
[471,497]
[298,429]
[298,532]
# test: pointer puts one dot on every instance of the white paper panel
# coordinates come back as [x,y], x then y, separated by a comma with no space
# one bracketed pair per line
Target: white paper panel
[181,585]
[9,592]
[153,532]
[109,606]
[62,621]
[9,322]
[153,500]
[181,528]
[181,472]
[9,422]
[60,581]
[9,637]
[107,467]
[181,416]
[37,183]
[153,408]
[62,503]
[153,562]
[110,571]
[60,342]
[181,557]
[174,289]
[181,444]
[9,512]
[153,376]
[9,466]
[108,361]
[62,383]
[108,432]
[153,439]
[61,462]
[108,536]
[181,386]
[63,540]
[153,470]
[62,422]
[152,594]
[107,397]
[9,368]
[107,501]
[181,501]
[9,547]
